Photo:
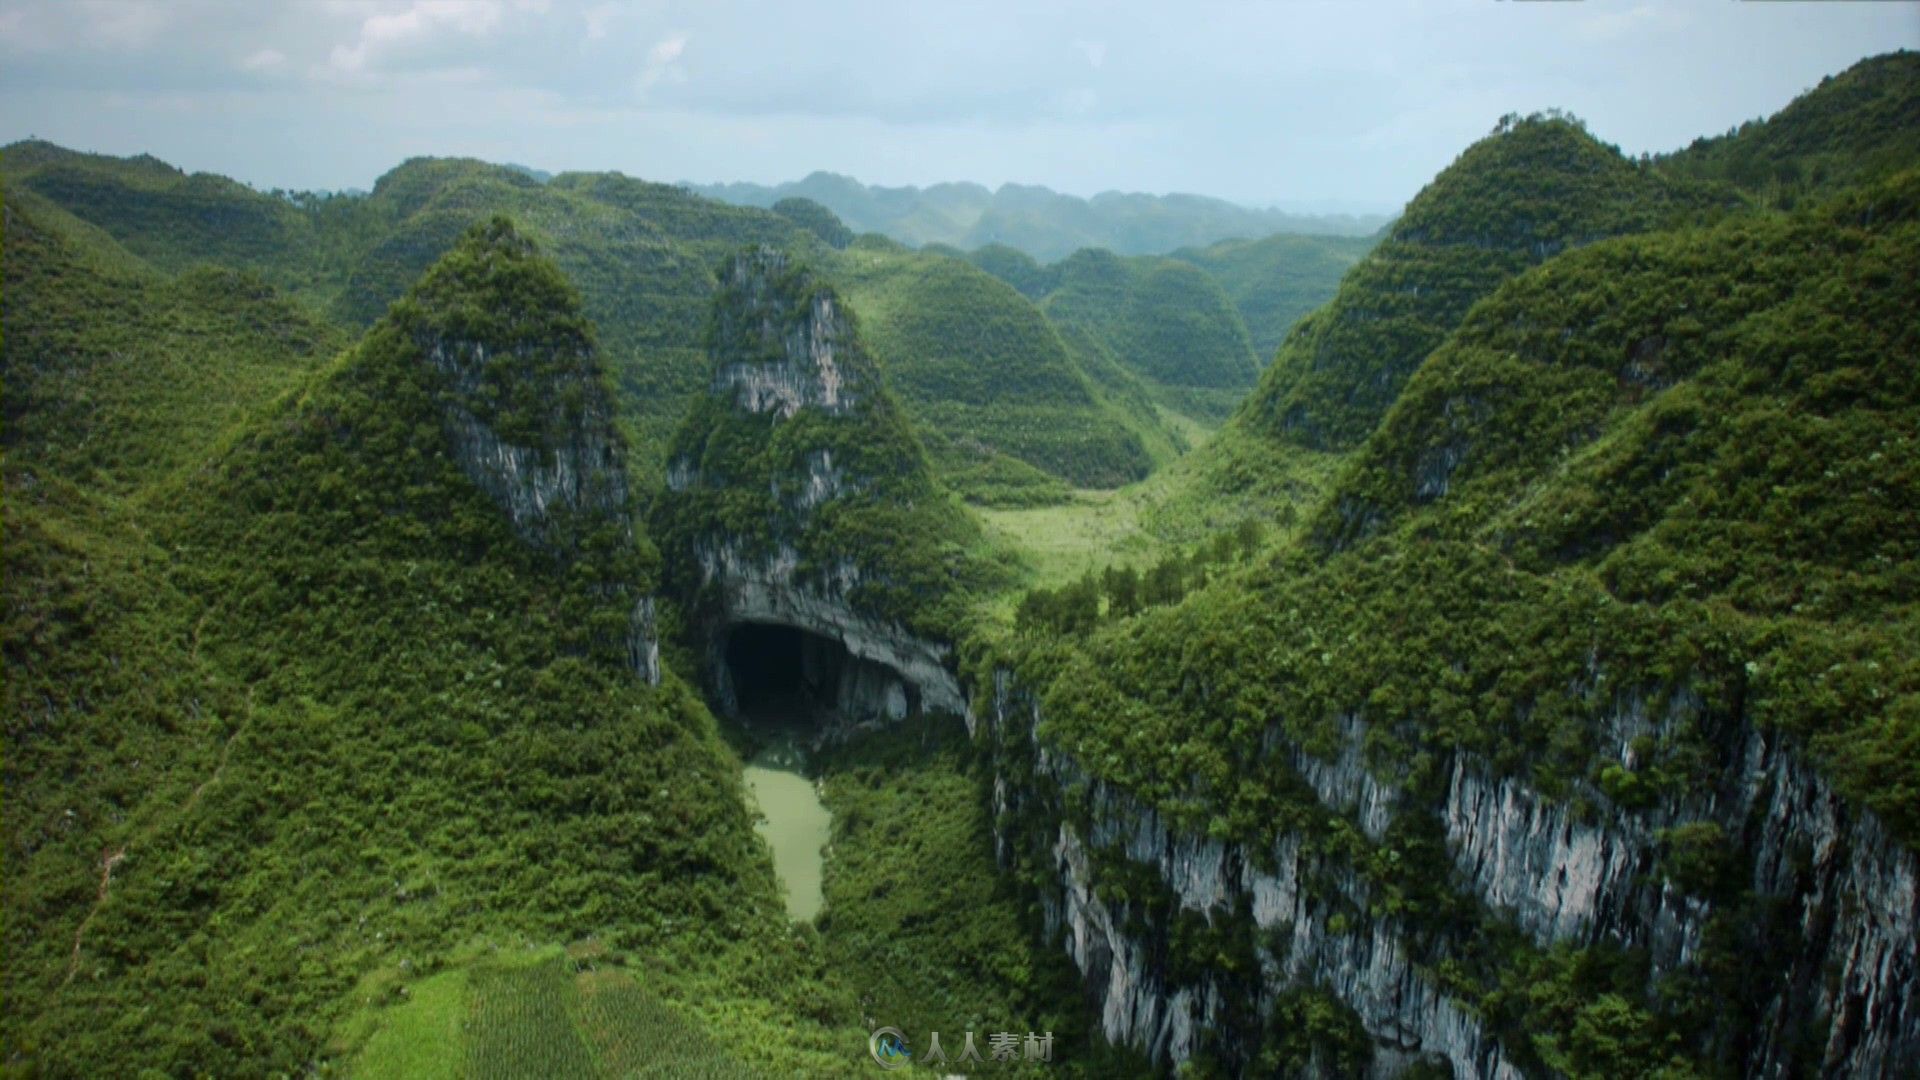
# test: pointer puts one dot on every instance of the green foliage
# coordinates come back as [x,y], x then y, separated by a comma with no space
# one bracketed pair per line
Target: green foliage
[1856,127]
[1534,188]
[918,917]
[982,372]
[1308,1029]
[117,374]
[519,1025]
[912,543]
[816,219]
[301,707]
[1274,282]
[1076,609]
[1164,321]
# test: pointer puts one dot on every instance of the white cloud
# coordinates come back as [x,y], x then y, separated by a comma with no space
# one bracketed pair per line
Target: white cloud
[663,62]
[421,22]
[1094,51]
[264,60]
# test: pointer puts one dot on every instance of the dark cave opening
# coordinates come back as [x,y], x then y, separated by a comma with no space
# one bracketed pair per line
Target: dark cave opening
[772,671]
[768,667]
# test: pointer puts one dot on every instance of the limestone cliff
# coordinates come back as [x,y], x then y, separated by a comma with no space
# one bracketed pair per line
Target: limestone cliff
[1842,892]
[798,496]
[527,411]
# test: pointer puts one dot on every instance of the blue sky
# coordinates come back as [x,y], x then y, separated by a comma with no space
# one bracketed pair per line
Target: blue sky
[1349,105]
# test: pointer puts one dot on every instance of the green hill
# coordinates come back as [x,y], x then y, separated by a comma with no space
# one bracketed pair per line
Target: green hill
[1535,187]
[1026,422]
[1675,468]
[1274,282]
[304,719]
[1860,125]
[989,384]
[1165,321]
[117,373]
[174,220]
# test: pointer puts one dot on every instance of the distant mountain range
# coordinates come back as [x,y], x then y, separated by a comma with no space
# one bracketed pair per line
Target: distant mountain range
[1040,221]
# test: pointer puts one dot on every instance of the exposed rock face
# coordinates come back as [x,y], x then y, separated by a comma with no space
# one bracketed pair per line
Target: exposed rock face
[795,439]
[537,487]
[565,479]
[1534,862]
[894,669]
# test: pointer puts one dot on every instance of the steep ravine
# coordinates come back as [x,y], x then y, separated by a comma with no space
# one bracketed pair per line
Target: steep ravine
[798,499]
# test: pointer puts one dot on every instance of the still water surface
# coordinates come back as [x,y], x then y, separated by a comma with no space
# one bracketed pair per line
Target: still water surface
[795,822]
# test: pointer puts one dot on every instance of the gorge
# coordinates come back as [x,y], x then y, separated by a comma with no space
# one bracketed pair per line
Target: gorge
[508,625]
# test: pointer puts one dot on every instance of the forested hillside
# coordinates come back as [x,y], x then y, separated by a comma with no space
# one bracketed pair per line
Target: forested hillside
[643,256]
[1276,281]
[1855,127]
[1044,224]
[1617,584]
[1516,677]
[292,706]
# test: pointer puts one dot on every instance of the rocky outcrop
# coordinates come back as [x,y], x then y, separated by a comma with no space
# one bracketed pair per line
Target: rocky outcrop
[562,477]
[583,472]
[894,670]
[795,446]
[1558,875]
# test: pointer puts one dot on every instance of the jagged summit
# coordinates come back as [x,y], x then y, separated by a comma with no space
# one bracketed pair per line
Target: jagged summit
[770,312]
[523,396]
[1530,190]
[799,497]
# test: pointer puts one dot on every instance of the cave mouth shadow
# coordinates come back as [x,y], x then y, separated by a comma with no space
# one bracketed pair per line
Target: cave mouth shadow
[786,676]
[781,673]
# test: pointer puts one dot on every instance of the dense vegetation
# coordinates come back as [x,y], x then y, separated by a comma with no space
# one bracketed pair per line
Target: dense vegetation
[1675,469]
[1044,224]
[1535,187]
[987,379]
[1146,327]
[642,256]
[747,471]
[1275,281]
[294,721]
[1854,128]
[314,762]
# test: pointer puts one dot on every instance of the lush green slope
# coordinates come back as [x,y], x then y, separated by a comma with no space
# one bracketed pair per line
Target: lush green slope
[1164,322]
[643,255]
[301,243]
[1532,189]
[1042,223]
[747,472]
[1855,127]
[1275,281]
[311,711]
[987,379]
[117,373]
[1678,466]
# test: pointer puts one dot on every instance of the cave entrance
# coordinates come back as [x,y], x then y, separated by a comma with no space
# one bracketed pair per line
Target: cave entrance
[779,672]
[788,675]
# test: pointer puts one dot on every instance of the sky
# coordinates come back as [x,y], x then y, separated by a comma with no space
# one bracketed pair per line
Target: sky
[1338,106]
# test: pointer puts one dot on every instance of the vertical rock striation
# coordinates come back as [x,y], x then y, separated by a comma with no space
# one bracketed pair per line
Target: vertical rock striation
[527,411]
[1847,893]
[797,496]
